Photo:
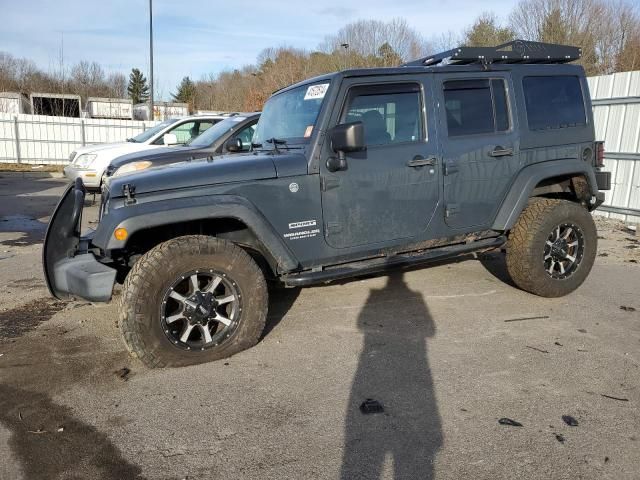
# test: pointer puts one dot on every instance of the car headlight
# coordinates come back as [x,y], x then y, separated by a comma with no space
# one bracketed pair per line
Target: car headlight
[85,160]
[132,167]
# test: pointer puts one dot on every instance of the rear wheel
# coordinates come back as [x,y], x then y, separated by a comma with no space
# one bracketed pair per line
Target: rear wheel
[192,299]
[552,247]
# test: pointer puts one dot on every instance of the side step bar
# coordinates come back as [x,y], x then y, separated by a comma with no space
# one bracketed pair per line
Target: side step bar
[377,265]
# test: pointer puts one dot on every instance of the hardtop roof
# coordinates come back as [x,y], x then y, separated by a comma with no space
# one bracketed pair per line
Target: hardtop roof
[561,69]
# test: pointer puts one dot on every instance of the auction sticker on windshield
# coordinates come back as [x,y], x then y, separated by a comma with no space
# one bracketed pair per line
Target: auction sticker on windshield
[316,91]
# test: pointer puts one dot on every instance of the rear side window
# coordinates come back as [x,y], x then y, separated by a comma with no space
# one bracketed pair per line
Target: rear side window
[554,102]
[476,106]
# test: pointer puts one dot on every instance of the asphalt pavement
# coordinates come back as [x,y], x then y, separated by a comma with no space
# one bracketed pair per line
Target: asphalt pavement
[444,352]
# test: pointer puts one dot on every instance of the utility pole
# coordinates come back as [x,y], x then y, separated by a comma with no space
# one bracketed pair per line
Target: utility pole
[151,59]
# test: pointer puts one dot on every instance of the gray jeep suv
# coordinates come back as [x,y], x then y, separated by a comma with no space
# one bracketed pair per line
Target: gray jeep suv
[352,173]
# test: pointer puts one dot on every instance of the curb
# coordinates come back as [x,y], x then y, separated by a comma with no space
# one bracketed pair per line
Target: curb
[31,174]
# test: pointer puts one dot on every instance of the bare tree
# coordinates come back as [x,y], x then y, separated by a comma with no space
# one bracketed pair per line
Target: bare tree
[88,79]
[601,28]
[365,37]
[117,85]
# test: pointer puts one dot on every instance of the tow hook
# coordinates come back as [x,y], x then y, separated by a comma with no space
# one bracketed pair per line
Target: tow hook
[129,191]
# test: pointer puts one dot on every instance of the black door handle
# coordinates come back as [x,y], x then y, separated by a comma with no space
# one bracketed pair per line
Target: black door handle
[419,161]
[500,151]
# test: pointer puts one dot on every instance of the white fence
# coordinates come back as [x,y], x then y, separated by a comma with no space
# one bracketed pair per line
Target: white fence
[38,139]
[616,111]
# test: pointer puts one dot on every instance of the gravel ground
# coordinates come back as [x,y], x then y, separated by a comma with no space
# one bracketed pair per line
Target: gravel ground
[447,351]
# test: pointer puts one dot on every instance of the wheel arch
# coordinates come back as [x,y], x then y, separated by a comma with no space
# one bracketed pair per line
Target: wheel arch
[568,179]
[229,217]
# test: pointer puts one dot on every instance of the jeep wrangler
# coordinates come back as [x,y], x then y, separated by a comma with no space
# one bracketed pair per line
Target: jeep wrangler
[351,173]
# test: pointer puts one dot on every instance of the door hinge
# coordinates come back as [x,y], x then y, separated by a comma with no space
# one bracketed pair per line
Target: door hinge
[333,227]
[452,209]
[450,167]
[129,192]
[327,183]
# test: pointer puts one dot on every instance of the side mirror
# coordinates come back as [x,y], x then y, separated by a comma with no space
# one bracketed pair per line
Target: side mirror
[347,137]
[233,145]
[170,139]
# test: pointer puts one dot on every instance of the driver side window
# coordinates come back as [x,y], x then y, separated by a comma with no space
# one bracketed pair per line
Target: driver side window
[390,113]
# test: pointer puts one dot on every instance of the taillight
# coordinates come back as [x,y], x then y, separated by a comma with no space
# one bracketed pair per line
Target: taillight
[599,154]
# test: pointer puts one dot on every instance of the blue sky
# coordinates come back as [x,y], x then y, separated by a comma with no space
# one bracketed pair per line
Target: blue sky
[198,37]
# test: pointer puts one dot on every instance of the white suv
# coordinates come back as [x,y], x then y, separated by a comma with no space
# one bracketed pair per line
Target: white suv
[90,162]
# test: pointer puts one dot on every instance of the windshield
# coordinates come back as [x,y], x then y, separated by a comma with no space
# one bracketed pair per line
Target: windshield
[291,116]
[212,134]
[150,132]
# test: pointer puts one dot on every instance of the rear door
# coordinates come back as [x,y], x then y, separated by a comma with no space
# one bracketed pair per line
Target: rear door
[480,145]
[391,190]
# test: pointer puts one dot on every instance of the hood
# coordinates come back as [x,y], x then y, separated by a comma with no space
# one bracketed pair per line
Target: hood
[96,147]
[159,154]
[107,153]
[199,173]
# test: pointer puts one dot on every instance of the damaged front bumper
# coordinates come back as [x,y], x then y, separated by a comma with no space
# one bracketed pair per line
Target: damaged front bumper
[70,268]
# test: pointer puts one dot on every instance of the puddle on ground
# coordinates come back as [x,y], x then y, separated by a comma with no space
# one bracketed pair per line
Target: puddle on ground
[20,223]
[30,229]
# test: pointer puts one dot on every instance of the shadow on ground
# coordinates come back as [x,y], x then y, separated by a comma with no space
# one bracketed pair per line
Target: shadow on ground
[495,263]
[393,370]
[51,443]
[46,439]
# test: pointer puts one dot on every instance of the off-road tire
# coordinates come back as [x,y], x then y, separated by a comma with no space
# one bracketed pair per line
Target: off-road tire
[154,272]
[527,239]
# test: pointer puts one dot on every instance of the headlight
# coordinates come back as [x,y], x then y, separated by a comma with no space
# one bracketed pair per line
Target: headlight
[72,155]
[132,167]
[85,160]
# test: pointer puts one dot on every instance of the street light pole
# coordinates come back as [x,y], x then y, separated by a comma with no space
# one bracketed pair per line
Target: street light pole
[151,59]
[346,47]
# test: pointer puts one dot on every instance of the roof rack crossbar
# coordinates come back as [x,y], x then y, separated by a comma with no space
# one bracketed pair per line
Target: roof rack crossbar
[517,51]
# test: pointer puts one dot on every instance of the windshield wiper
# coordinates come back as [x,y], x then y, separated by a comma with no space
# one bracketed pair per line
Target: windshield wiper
[132,140]
[283,144]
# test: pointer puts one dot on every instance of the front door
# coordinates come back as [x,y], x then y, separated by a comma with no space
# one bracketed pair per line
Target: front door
[389,191]
[480,146]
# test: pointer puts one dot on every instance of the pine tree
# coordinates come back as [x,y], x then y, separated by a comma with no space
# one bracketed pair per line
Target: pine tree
[186,92]
[388,55]
[487,32]
[138,88]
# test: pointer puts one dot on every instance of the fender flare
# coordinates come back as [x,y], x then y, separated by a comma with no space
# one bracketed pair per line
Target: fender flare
[518,196]
[141,216]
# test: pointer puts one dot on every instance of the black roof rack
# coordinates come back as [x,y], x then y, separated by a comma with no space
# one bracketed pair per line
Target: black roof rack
[517,51]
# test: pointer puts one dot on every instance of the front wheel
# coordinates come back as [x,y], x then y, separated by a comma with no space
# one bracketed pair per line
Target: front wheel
[192,299]
[552,247]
